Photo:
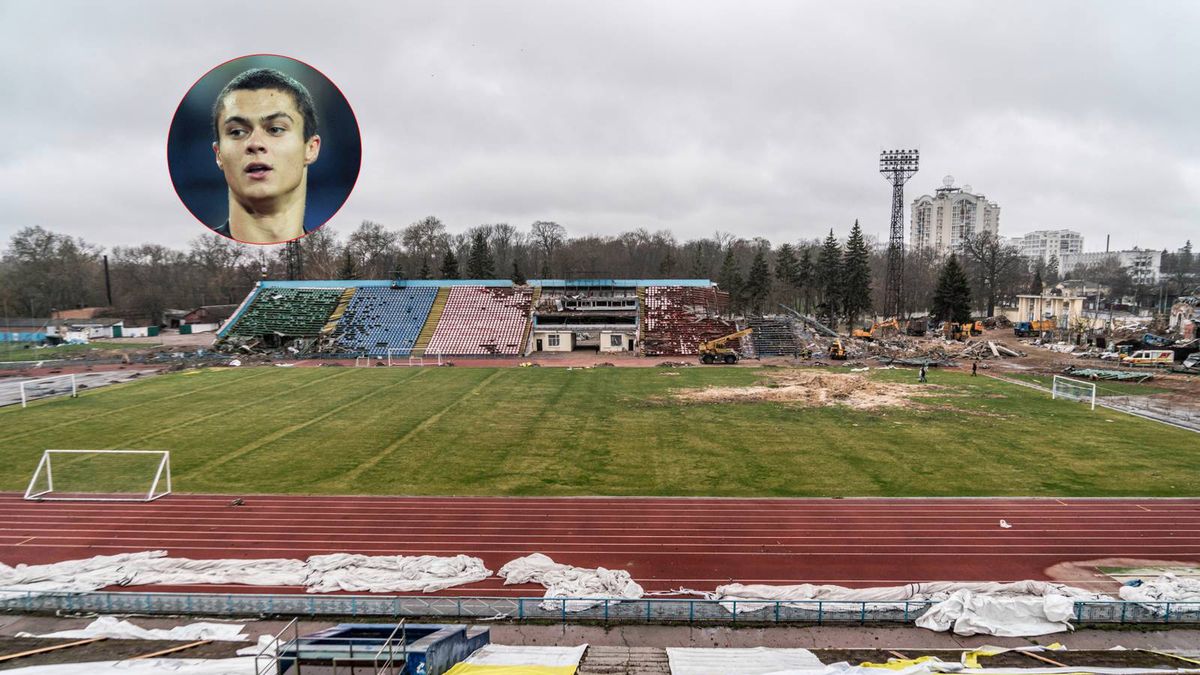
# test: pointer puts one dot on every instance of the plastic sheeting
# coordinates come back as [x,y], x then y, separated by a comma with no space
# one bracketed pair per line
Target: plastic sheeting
[740,661]
[237,666]
[112,627]
[320,573]
[1165,588]
[1022,608]
[567,581]
[520,660]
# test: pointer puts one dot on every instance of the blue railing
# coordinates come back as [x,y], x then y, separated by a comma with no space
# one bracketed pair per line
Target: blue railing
[560,609]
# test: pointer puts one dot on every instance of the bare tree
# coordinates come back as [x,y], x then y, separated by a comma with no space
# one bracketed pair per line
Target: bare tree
[373,247]
[548,237]
[424,241]
[993,265]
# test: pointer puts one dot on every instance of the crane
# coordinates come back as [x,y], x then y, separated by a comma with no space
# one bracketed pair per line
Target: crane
[715,350]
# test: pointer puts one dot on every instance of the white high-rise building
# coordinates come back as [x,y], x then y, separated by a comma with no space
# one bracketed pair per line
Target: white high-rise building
[1046,243]
[943,220]
[1144,266]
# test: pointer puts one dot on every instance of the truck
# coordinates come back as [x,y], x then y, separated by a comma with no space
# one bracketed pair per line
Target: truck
[877,329]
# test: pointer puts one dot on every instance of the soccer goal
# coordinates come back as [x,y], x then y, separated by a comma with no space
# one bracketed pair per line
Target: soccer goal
[362,361]
[101,475]
[1074,390]
[45,387]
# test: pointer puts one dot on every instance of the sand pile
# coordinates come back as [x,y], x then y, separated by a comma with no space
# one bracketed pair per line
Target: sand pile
[811,388]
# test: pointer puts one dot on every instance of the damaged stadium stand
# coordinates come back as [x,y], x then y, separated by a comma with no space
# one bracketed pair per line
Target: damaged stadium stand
[482,321]
[381,319]
[286,313]
[773,336]
[678,318]
[431,322]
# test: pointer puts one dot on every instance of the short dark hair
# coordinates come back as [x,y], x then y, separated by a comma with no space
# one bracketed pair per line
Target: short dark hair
[268,78]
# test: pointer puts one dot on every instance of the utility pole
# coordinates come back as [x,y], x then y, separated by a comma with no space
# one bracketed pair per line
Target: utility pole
[896,167]
[295,260]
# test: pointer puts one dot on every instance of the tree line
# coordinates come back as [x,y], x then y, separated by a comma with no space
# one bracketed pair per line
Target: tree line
[838,278]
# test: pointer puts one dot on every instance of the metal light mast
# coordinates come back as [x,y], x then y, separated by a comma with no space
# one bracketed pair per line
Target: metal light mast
[896,166]
[294,259]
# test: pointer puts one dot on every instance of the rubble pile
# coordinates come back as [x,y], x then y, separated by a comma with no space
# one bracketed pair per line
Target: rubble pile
[989,349]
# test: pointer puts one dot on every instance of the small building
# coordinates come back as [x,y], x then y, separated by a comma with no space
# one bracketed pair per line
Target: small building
[217,314]
[1061,305]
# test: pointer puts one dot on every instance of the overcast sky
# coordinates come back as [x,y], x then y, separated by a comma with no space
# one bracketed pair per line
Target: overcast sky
[756,118]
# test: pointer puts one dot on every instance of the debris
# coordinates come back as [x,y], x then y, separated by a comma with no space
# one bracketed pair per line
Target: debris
[1097,374]
[811,388]
[1004,523]
[237,502]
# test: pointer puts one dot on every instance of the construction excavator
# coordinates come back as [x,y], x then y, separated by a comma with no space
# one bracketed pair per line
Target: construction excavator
[877,329]
[715,351]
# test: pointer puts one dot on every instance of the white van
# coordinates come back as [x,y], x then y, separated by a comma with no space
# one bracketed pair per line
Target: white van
[1150,357]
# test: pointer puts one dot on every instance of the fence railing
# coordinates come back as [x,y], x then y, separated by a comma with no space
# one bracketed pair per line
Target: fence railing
[647,610]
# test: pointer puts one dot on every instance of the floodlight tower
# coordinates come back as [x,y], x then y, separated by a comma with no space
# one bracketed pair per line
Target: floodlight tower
[295,260]
[896,166]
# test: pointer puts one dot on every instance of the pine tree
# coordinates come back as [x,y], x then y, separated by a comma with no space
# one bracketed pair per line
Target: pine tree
[518,277]
[786,271]
[1036,287]
[730,279]
[479,263]
[449,265]
[952,299]
[758,285]
[804,279]
[1052,270]
[856,276]
[827,278]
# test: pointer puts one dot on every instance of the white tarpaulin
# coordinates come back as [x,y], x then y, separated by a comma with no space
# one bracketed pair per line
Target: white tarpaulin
[1166,588]
[737,661]
[321,573]
[392,573]
[523,655]
[112,627]
[236,666]
[1022,608]
[566,581]
[969,613]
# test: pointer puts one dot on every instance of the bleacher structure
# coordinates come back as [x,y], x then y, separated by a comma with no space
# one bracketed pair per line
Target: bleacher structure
[379,320]
[482,321]
[774,336]
[395,319]
[276,315]
[678,318]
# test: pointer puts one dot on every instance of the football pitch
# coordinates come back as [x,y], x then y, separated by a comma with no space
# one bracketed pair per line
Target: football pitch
[601,431]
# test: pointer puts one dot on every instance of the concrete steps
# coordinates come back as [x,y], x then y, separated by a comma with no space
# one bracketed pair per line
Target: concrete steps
[624,661]
[431,322]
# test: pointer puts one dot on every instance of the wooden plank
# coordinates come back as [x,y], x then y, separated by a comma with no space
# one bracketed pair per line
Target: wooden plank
[1043,659]
[172,650]
[898,655]
[52,648]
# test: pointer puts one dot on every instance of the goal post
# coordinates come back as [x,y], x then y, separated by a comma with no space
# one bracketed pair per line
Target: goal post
[1074,390]
[45,387]
[101,475]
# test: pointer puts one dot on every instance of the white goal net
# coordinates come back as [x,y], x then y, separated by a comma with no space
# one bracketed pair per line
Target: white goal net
[1074,390]
[101,475]
[45,387]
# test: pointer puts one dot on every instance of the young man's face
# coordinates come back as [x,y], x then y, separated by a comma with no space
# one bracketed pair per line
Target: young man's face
[261,147]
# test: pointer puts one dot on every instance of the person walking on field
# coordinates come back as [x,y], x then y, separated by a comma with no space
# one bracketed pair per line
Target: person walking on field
[974,368]
[921,374]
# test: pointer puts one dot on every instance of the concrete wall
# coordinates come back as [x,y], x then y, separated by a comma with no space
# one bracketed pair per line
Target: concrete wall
[566,341]
[606,341]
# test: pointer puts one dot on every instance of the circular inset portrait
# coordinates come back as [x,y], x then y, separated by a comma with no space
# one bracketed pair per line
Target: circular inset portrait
[264,149]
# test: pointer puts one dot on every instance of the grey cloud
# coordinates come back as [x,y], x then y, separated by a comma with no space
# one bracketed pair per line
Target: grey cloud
[760,118]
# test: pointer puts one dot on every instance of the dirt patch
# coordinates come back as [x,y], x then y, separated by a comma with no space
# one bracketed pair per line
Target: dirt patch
[812,389]
[1087,574]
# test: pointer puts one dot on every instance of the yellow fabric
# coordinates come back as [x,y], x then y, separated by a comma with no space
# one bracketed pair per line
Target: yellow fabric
[475,669]
[971,659]
[899,664]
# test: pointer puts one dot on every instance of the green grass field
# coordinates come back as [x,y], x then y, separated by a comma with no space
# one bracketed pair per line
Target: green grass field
[26,352]
[604,431]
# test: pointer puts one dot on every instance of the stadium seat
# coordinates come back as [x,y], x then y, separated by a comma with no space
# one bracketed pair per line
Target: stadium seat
[482,321]
[381,319]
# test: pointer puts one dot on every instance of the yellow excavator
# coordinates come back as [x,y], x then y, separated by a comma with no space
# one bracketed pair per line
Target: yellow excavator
[879,329]
[715,351]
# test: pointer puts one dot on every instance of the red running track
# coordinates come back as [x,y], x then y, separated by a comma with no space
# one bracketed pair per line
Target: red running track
[664,543]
